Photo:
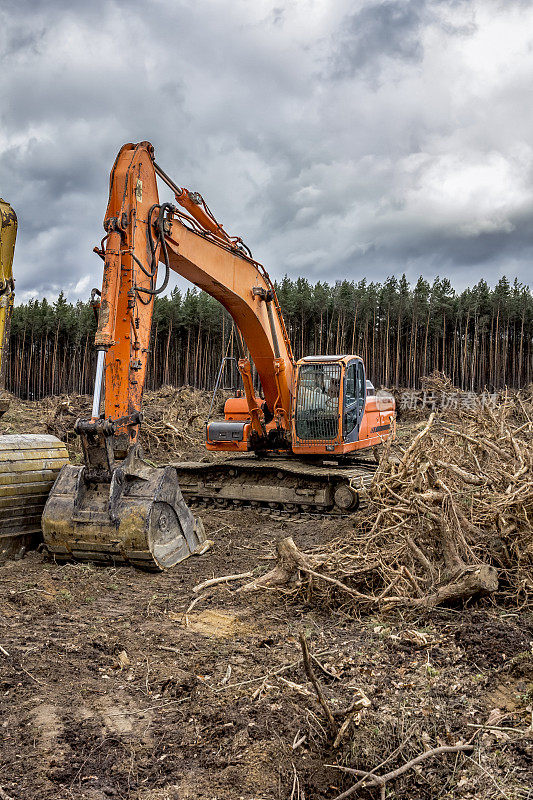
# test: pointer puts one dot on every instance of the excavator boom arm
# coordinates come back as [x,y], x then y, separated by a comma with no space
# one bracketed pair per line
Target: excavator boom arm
[140,232]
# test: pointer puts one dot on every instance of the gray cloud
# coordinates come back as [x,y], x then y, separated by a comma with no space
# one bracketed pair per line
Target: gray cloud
[339,139]
[387,29]
[394,30]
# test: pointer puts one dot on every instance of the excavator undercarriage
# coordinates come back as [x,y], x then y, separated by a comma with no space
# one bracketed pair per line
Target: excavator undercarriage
[273,484]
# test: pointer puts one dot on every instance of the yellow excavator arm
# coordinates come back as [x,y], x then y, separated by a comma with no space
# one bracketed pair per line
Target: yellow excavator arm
[8,234]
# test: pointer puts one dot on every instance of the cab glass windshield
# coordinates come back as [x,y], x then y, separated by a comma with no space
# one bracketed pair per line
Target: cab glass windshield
[317,402]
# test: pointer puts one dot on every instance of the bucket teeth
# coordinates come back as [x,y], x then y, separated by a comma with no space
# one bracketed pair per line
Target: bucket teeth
[136,516]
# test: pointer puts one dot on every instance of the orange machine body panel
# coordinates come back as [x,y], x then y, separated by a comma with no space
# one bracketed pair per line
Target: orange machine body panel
[376,424]
[236,409]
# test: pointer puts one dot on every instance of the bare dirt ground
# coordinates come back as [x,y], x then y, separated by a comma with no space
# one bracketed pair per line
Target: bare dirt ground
[110,689]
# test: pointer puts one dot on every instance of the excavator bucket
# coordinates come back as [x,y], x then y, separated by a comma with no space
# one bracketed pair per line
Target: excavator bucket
[135,514]
[29,465]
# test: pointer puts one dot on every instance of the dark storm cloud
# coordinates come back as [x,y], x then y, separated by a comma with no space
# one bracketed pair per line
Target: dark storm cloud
[380,31]
[340,139]
[386,29]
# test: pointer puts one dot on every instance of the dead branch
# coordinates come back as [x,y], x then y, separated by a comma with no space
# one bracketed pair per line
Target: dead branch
[316,685]
[343,730]
[467,477]
[350,714]
[480,581]
[224,579]
[417,552]
[289,561]
[418,438]
[194,602]
[371,779]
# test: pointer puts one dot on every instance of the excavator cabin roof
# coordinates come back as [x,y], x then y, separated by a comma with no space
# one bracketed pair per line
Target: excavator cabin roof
[327,359]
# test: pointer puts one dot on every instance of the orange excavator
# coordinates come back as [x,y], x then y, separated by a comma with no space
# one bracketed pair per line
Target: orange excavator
[295,445]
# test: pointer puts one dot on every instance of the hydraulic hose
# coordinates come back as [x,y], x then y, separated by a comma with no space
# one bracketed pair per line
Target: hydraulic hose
[161,232]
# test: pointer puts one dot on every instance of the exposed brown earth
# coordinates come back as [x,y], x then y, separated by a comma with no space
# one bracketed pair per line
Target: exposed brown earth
[110,689]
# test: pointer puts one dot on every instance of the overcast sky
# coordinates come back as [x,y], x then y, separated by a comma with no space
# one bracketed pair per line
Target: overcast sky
[339,138]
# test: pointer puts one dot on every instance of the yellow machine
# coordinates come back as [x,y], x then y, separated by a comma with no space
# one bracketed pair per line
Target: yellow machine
[8,223]
[29,464]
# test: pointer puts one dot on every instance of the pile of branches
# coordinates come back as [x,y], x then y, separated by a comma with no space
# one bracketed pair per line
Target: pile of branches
[174,420]
[437,393]
[60,414]
[449,518]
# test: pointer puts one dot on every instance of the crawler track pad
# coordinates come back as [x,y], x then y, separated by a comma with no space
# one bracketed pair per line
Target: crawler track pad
[138,516]
[277,483]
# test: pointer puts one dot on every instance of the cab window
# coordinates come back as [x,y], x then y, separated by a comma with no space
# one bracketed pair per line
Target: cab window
[317,402]
[350,385]
[350,400]
[360,385]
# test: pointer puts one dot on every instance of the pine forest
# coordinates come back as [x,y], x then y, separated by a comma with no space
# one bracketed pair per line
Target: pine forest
[480,337]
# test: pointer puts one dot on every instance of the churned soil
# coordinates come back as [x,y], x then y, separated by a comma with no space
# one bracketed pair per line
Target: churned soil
[111,688]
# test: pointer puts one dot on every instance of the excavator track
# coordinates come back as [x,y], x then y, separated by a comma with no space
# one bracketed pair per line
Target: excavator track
[276,486]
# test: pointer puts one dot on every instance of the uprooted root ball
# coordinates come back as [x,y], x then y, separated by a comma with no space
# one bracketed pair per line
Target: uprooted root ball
[449,519]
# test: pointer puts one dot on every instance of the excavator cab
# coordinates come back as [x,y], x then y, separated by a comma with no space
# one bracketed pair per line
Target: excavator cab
[336,410]
[330,402]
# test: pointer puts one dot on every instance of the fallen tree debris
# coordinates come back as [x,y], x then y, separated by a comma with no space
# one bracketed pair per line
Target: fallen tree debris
[316,685]
[448,521]
[338,720]
[291,562]
[223,579]
[173,420]
[369,779]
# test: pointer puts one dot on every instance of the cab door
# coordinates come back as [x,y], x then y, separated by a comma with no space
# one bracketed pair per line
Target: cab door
[354,400]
